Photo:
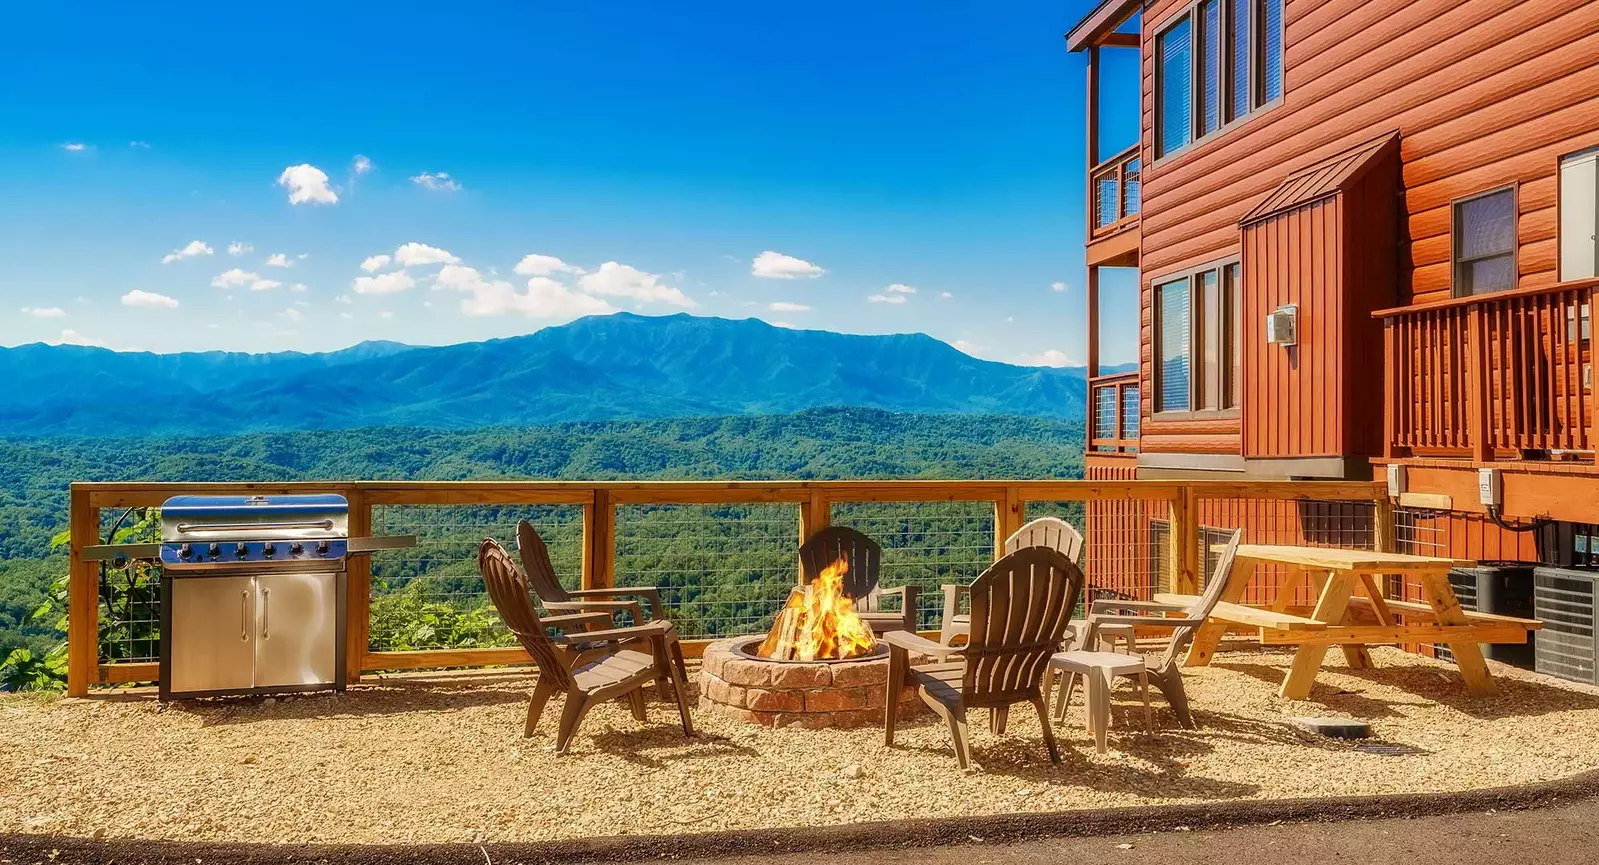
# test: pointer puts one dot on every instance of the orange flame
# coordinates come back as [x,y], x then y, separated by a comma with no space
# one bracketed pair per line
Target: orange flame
[819,622]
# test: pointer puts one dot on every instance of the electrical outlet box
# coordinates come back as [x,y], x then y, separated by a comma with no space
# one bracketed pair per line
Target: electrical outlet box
[1397,479]
[1282,326]
[1490,488]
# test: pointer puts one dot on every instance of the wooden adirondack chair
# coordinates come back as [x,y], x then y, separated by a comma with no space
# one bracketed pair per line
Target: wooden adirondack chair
[625,661]
[1165,673]
[1051,532]
[555,597]
[1020,607]
[865,559]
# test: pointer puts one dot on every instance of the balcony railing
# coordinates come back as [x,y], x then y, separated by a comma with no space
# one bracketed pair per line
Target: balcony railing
[1114,407]
[1113,188]
[1492,376]
[724,552]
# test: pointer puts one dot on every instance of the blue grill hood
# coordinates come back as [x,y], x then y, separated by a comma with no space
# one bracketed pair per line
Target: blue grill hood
[235,507]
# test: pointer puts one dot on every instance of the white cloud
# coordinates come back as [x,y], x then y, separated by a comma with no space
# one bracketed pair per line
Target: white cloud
[440,182]
[75,146]
[387,283]
[785,306]
[1048,357]
[620,280]
[278,259]
[44,311]
[239,247]
[237,277]
[307,184]
[292,314]
[534,264]
[900,288]
[375,263]
[1058,286]
[72,337]
[385,314]
[886,298]
[544,298]
[945,295]
[420,254]
[142,145]
[776,265]
[346,316]
[193,249]
[344,298]
[148,299]
[361,165]
[298,288]
[968,347]
[783,324]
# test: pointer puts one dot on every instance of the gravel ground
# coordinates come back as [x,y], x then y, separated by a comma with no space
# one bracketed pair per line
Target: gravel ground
[440,759]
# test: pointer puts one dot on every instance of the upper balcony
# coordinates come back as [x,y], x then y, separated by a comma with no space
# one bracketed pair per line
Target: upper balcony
[1113,184]
[1113,208]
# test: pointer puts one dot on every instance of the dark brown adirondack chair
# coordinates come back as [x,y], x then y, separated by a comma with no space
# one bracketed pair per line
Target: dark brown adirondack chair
[1165,673]
[1051,532]
[625,662]
[557,598]
[1020,607]
[865,559]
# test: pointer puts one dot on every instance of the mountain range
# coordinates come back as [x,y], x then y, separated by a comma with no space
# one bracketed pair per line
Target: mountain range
[613,367]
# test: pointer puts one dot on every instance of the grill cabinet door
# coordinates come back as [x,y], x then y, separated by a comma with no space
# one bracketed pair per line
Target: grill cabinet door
[296,629]
[211,633]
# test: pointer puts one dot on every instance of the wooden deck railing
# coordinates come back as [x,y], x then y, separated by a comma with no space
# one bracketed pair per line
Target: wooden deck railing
[1492,375]
[1113,190]
[1176,505]
[1113,413]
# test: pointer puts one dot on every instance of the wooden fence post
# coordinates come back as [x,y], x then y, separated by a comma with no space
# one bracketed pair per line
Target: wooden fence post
[1477,385]
[83,597]
[1009,514]
[599,542]
[1184,550]
[815,514]
[358,589]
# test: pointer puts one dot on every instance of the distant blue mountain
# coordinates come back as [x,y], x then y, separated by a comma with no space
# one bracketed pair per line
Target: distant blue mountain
[612,367]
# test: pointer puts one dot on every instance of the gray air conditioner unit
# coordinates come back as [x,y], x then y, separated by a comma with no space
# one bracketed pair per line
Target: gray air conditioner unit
[1567,603]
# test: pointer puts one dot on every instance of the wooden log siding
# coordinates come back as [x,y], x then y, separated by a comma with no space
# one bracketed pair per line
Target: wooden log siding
[1482,92]
[1104,493]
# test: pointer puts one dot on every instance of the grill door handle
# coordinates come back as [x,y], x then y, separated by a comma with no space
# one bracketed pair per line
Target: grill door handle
[186,528]
[244,616]
[266,613]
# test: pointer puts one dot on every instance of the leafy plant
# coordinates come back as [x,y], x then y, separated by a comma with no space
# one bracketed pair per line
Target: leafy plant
[21,671]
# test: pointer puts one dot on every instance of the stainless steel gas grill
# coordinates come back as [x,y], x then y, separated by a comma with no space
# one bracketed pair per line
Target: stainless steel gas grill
[253,592]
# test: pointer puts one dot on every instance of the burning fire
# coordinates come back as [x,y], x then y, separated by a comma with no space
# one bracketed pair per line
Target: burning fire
[819,623]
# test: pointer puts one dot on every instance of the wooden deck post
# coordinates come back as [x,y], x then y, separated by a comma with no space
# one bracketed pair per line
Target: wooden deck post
[1009,514]
[1390,387]
[1476,385]
[1184,552]
[358,589]
[83,597]
[815,514]
[599,542]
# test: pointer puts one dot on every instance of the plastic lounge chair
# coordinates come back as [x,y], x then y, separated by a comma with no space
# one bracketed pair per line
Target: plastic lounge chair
[589,667]
[1020,607]
[1051,532]
[555,597]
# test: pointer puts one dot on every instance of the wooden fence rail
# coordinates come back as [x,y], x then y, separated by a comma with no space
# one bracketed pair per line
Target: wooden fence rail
[599,501]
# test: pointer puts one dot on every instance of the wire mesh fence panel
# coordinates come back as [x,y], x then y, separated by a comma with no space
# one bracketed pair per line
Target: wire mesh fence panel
[130,596]
[926,545]
[1419,533]
[1126,544]
[432,596]
[1289,522]
[722,569]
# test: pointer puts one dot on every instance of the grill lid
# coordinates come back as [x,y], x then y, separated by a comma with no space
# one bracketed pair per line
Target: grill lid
[219,518]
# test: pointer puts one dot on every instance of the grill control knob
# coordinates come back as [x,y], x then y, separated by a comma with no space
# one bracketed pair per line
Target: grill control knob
[295,549]
[214,550]
[322,548]
[241,550]
[269,550]
[186,551]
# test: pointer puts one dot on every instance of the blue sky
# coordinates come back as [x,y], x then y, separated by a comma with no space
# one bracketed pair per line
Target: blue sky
[876,168]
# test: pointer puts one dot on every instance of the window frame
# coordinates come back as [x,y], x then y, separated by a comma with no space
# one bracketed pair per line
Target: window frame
[1455,237]
[1190,11]
[1228,386]
[1560,214]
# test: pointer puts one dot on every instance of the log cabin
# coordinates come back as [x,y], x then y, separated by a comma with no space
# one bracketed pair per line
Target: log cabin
[1364,239]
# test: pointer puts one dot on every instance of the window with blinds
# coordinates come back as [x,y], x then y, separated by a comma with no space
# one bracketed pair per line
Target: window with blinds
[1579,214]
[1216,62]
[1197,322]
[1173,384]
[1174,80]
[1485,242]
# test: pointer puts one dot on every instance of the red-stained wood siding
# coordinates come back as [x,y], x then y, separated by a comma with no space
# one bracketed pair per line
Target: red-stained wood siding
[1482,92]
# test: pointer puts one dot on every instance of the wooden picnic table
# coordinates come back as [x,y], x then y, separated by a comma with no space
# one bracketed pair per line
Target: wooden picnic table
[1342,619]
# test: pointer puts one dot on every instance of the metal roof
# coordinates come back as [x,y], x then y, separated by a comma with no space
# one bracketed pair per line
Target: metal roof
[1324,179]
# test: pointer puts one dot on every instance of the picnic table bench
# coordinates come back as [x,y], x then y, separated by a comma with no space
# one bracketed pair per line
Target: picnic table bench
[1340,618]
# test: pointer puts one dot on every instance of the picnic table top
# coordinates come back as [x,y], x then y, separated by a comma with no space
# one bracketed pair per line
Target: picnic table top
[1354,561]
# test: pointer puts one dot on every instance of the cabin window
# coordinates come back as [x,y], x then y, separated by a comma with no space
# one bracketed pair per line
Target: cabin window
[1579,214]
[1197,319]
[1216,62]
[1485,242]
[1174,76]
[1160,554]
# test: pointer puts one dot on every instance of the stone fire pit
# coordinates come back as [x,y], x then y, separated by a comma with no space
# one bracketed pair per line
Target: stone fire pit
[807,694]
